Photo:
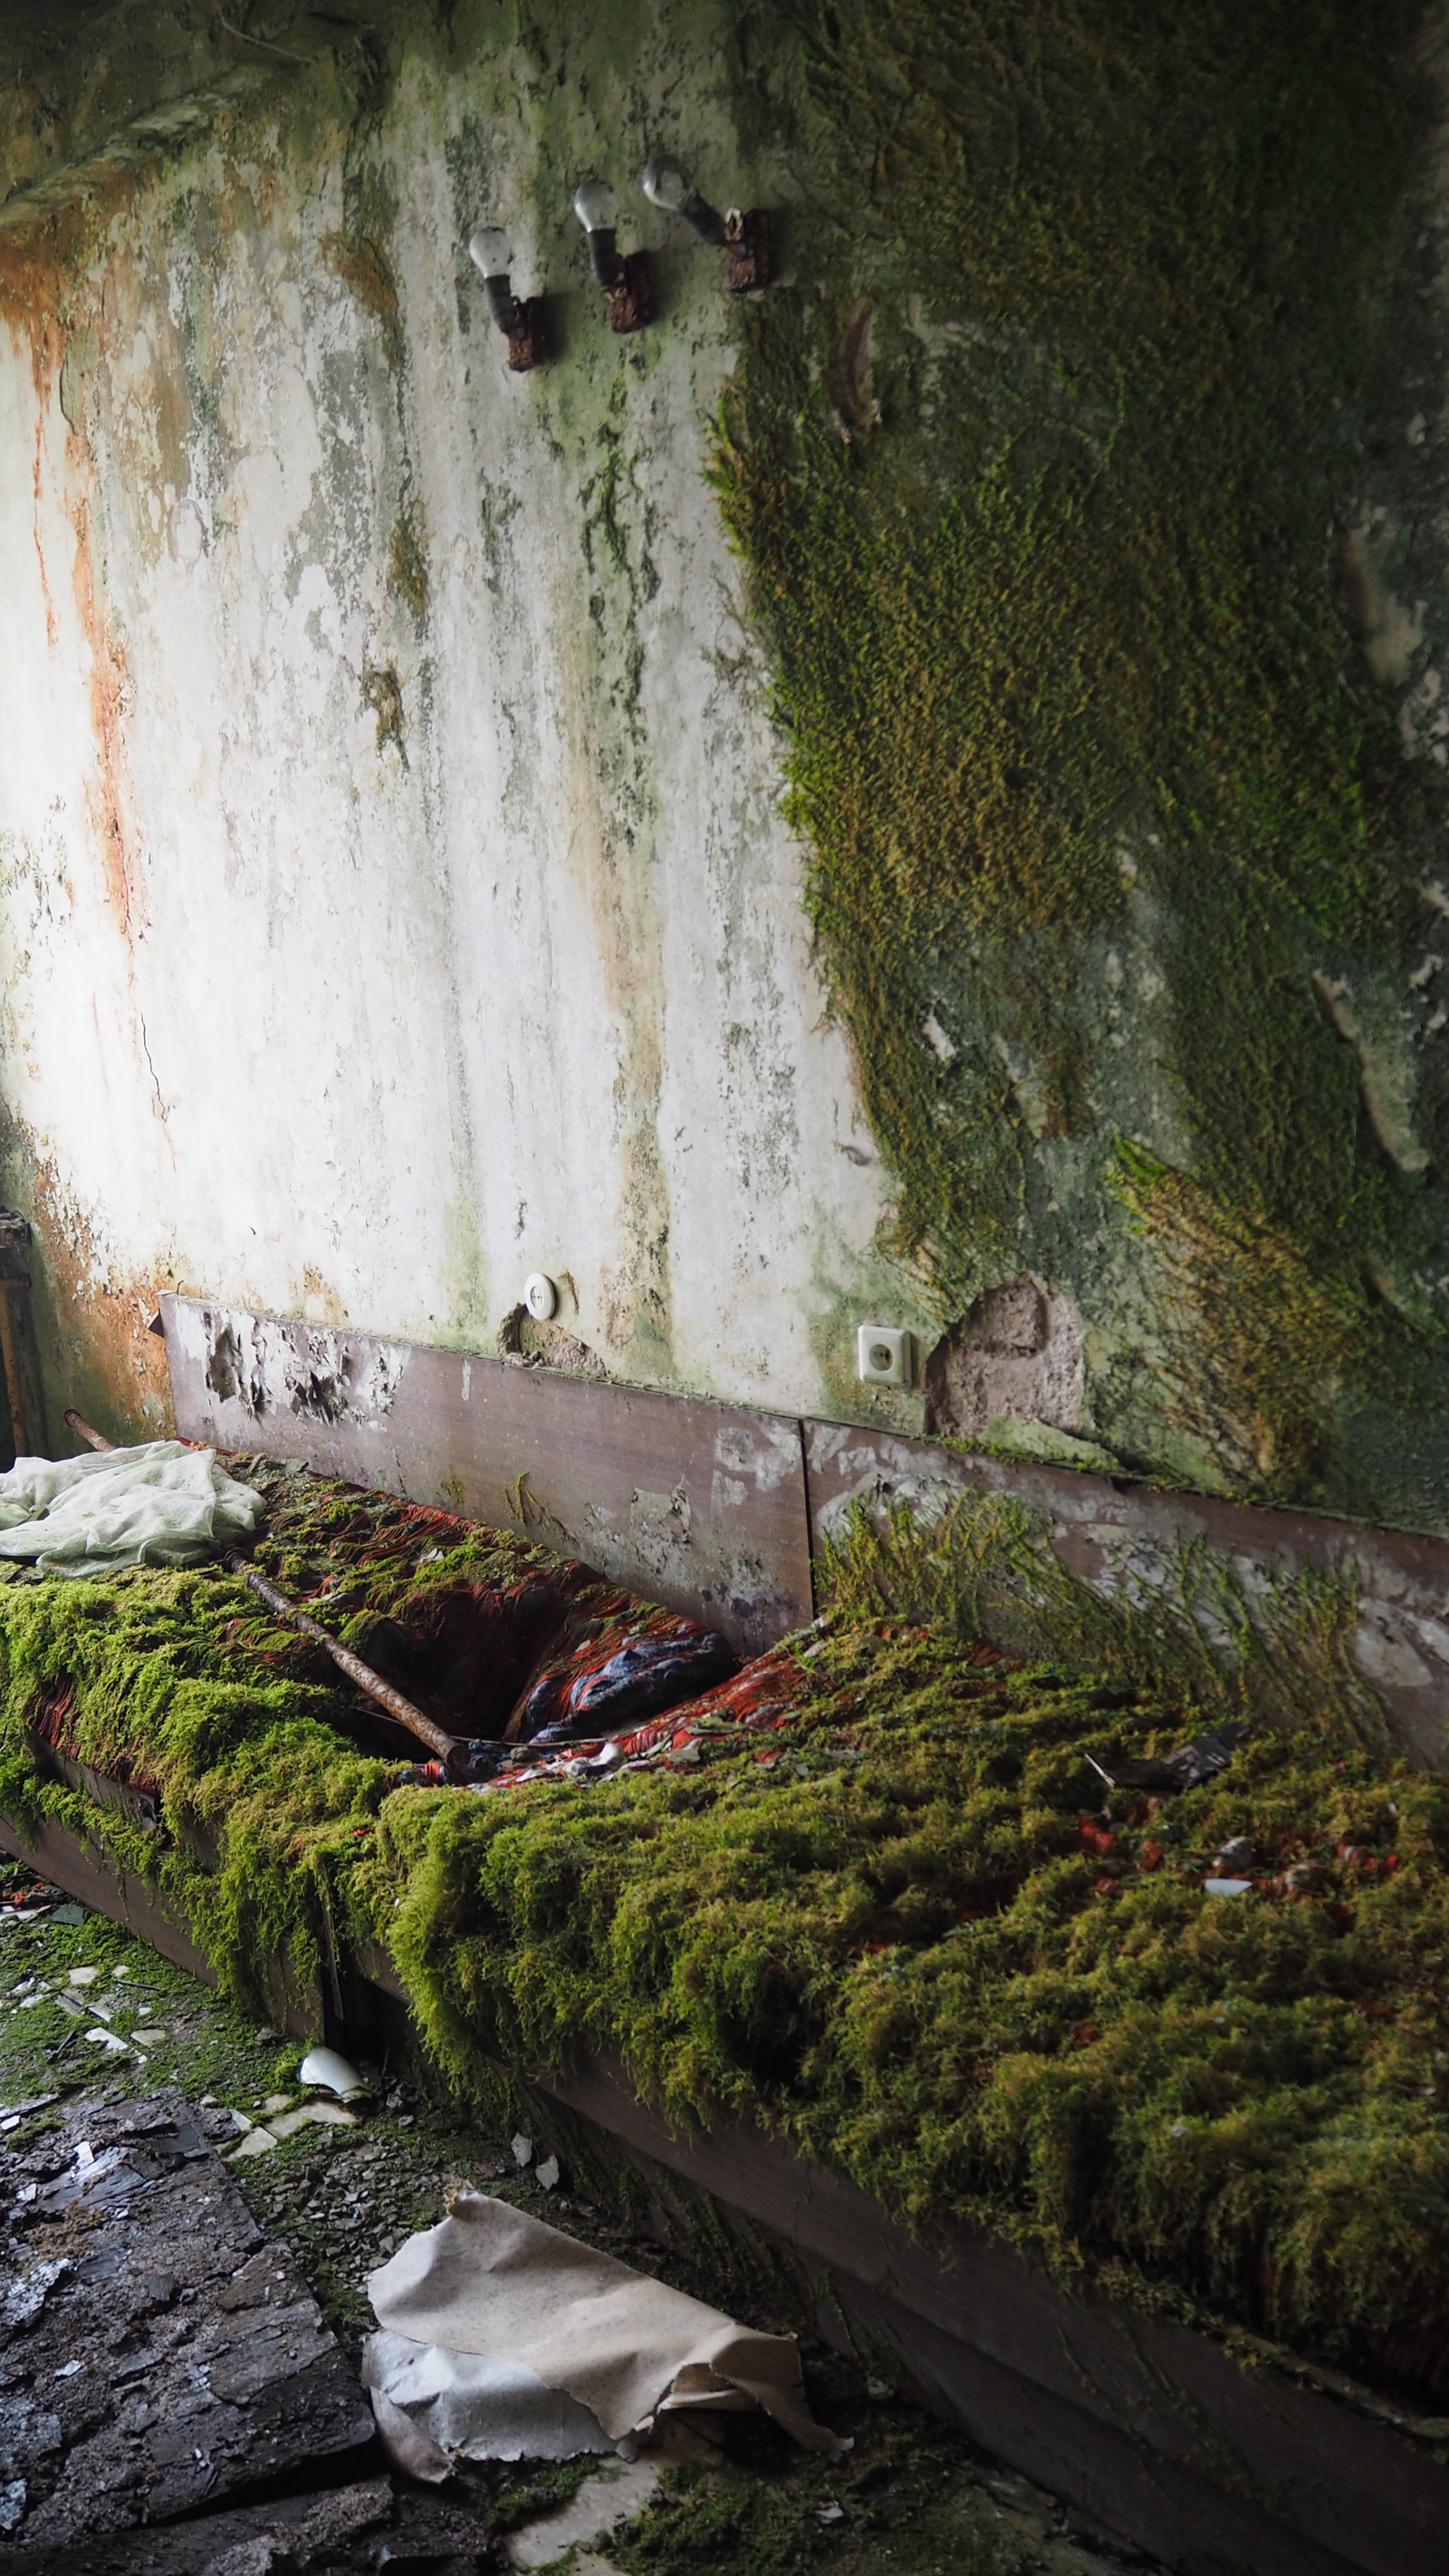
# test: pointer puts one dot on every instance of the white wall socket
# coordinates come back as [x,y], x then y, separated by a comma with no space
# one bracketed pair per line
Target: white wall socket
[883,1355]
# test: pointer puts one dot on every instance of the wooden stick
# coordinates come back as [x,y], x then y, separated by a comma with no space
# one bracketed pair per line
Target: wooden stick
[12,1364]
[437,1741]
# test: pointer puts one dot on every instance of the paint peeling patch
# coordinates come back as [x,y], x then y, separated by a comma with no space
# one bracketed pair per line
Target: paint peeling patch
[1370,1024]
[1019,1355]
[659,1526]
[765,1456]
[259,1363]
[1392,631]
[227,1374]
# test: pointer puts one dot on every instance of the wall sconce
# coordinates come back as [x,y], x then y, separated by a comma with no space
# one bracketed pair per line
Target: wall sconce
[521,321]
[745,236]
[626,282]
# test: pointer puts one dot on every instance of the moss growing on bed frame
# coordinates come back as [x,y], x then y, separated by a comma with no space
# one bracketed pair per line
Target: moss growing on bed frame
[897,1929]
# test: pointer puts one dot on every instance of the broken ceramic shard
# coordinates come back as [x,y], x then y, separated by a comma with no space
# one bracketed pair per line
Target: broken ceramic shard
[324,2066]
[498,2332]
[257,2142]
[324,2115]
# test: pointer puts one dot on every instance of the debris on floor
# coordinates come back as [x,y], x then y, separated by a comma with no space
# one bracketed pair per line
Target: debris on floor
[333,2202]
[370,2528]
[156,2351]
[502,2339]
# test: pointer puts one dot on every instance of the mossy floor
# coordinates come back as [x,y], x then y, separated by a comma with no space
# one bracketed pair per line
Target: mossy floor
[913,2497]
[911,1932]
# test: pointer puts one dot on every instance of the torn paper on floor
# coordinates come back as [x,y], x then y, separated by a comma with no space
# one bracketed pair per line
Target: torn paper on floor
[503,2339]
[159,1504]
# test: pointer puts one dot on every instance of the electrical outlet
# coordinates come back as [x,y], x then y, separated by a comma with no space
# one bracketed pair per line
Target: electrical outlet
[883,1355]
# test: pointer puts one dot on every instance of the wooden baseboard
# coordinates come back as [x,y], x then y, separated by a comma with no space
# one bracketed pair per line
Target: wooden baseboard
[716,1509]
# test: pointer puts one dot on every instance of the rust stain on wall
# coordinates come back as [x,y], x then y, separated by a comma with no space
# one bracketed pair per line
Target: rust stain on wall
[106,1360]
[365,270]
[108,693]
[44,275]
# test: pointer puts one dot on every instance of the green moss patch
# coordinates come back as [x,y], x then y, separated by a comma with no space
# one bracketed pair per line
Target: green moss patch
[909,1931]
[1035,489]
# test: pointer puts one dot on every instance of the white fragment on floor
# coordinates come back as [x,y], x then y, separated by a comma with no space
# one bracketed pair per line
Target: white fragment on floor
[84,1976]
[522,2150]
[323,2115]
[324,2066]
[547,2173]
[148,2038]
[257,2142]
[608,2495]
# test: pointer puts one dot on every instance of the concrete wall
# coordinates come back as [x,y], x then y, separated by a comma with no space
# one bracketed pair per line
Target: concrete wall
[394,897]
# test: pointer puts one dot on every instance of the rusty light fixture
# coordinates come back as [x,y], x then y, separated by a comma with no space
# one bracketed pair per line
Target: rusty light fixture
[745,236]
[520,320]
[625,281]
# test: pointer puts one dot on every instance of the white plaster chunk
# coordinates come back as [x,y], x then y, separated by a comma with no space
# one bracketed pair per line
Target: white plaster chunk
[1384,1654]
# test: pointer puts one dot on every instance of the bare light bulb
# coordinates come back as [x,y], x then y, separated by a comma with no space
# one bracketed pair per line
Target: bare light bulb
[596,205]
[489,252]
[667,184]
[597,209]
[490,255]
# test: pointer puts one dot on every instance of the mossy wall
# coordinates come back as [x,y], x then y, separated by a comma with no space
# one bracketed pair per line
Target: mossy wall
[1073,485]
[394,736]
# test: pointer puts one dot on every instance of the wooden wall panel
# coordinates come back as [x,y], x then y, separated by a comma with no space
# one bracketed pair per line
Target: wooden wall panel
[712,1507]
[1110,1530]
[695,1504]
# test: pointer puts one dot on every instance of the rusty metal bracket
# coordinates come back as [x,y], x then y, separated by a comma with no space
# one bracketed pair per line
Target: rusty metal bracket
[747,250]
[528,335]
[631,296]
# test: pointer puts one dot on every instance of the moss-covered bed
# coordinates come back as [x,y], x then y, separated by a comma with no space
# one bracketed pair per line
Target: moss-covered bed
[906,1926]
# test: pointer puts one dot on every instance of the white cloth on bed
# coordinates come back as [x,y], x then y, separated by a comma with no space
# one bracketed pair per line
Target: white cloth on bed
[160,1504]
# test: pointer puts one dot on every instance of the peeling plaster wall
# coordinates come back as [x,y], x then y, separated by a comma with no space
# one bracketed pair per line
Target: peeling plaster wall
[393,892]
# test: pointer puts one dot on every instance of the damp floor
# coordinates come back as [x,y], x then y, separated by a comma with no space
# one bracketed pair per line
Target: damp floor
[90,2015]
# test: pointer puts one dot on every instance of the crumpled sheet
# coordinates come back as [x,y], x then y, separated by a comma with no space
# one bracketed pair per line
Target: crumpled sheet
[503,2339]
[758,1701]
[159,1504]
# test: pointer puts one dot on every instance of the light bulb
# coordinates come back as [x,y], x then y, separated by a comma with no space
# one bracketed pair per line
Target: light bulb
[596,205]
[489,252]
[666,183]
